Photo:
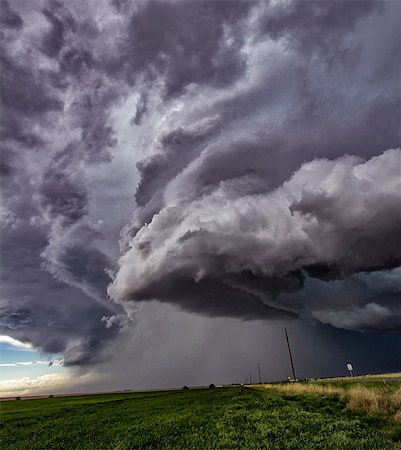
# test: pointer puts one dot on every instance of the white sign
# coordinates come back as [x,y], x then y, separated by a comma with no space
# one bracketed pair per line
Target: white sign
[349,367]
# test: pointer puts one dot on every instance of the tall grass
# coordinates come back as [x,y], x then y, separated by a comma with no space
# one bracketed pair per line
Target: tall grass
[384,400]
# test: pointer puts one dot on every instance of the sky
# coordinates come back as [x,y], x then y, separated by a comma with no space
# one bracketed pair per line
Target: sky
[182,180]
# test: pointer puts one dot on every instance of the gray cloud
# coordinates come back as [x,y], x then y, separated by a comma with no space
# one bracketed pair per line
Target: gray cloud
[365,317]
[212,217]
[22,92]
[9,17]
[55,129]
[240,125]
[316,25]
[38,309]
[61,196]
[163,37]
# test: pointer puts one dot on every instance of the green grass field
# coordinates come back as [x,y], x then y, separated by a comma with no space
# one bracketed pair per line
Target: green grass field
[240,417]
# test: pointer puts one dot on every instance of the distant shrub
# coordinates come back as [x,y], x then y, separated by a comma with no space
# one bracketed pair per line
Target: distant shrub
[17,398]
[51,396]
[211,386]
[185,388]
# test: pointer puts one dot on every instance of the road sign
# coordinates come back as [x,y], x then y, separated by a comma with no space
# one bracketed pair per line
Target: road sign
[349,367]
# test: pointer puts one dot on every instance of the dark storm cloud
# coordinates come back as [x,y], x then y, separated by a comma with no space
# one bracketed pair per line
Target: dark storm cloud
[63,196]
[54,128]
[141,109]
[225,193]
[316,25]
[209,296]
[72,257]
[164,38]
[54,39]
[25,97]
[9,18]
[311,100]
[178,148]
[237,116]
[338,215]
[6,162]
[61,22]
[38,309]
[25,92]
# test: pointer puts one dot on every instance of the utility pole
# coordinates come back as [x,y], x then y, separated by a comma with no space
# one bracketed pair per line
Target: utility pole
[260,378]
[250,378]
[289,352]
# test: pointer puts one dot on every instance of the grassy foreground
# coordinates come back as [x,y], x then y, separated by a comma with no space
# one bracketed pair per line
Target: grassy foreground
[196,419]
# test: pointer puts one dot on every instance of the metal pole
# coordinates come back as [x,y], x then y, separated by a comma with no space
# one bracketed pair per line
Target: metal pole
[250,378]
[289,352]
[260,378]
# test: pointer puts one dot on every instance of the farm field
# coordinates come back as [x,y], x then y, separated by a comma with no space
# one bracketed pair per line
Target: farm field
[233,417]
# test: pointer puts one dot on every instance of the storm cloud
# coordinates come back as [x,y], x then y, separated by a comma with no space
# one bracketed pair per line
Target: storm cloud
[330,220]
[252,190]
[234,159]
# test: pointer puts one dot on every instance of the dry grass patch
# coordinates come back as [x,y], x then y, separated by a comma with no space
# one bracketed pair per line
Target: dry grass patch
[305,388]
[376,401]
[385,401]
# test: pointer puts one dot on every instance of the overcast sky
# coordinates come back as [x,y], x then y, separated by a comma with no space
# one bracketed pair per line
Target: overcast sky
[183,179]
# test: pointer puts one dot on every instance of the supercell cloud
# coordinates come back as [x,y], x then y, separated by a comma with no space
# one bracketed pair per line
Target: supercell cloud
[330,221]
[233,158]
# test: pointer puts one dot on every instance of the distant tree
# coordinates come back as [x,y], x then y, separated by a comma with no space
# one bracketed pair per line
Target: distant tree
[17,398]
[185,388]
[211,386]
[51,396]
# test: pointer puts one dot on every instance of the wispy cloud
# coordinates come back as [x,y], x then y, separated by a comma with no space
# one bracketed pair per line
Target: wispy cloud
[14,342]
[57,362]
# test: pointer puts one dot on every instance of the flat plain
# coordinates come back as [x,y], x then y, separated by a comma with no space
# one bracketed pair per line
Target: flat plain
[231,417]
